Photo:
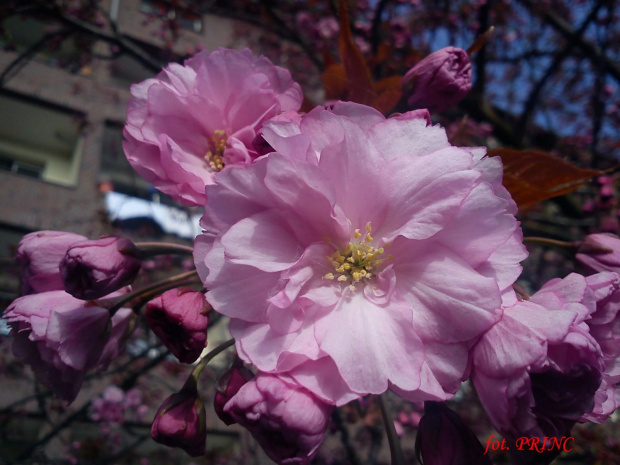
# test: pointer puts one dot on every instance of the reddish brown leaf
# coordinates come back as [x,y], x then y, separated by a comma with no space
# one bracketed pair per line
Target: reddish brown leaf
[307,104]
[532,176]
[388,92]
[359,82]
[335,82]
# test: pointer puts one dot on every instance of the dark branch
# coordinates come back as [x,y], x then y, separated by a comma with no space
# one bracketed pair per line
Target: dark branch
[590,50]
[22,59]
[534,96]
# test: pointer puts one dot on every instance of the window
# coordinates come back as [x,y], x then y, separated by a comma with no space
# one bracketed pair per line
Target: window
[34,170]
[39,140]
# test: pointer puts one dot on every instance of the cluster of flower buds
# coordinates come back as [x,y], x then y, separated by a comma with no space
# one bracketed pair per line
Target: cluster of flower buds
[62,334]
[69,321]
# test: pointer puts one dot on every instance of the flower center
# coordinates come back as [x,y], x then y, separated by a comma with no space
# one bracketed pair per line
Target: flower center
[217,144]
[357,261]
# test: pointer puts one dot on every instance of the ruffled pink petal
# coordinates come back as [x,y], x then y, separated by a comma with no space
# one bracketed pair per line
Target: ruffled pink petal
[426,193]
[407,135]
[503,265]
[450,301]
[238,291]
[322,377]
[239,193]
[378,345]
[307,198]
[265,239]
[481,225]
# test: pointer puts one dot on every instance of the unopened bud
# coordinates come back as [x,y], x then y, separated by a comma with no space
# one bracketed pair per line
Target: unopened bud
[93,269]
[439,81]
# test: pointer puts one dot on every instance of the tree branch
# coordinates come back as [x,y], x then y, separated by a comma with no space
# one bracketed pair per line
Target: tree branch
[590,50]
[22,59]
[533,98]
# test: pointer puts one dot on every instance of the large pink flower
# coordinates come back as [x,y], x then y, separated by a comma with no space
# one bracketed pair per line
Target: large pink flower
[363,255]
[539,370]
[194,119]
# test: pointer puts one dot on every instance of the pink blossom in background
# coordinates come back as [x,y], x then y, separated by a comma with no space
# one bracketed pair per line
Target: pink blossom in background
[115,406]
[192,120]
[365,254]
[600,252]
[286,420]
[539,370]
[39,254]
[61,338]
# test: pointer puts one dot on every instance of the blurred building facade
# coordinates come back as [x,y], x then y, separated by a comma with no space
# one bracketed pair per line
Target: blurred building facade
[62,165]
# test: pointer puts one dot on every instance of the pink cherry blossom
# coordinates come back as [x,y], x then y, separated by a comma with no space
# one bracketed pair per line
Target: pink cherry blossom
[62,338]
[600,252]
[287,420]
[193,119]
[539,370]
[364,254]
[604,324]
[39,254]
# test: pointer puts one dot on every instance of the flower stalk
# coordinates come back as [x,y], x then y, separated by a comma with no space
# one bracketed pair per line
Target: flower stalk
[148,292]
[151,249]
[396,451]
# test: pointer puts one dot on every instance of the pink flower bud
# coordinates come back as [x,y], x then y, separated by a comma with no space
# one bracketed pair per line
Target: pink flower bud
[444,439]
[230,384]
[181,422]
[40,253]
[93,269]
[286,419]
[179,318]
[439,81]
[600,252]
[60,337]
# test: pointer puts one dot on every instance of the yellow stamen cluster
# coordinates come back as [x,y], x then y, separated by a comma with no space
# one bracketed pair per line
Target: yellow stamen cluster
[217,145]
[357,260]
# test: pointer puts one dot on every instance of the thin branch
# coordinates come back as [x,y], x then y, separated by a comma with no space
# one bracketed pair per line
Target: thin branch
[128,383]
[590,50]
[481,57]
[376,23]
[344,437]
[22,59]
[534,96]
[282,31]
[115,38]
